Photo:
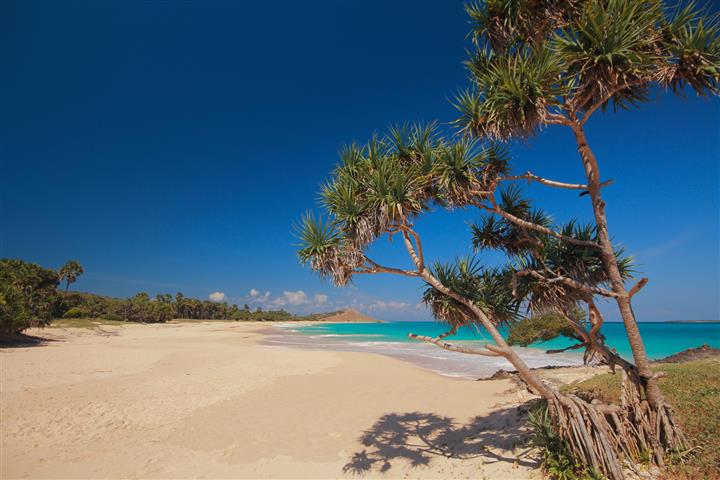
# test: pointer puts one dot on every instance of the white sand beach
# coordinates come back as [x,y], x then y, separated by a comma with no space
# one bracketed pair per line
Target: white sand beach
[205,400]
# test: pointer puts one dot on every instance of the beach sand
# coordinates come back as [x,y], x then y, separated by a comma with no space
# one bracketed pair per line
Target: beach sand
[190,400]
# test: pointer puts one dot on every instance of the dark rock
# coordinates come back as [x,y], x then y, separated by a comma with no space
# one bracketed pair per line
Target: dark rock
[699,353]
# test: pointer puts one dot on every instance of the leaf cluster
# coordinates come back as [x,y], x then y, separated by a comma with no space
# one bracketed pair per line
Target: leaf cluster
[536,59]
[543,328]
[382,186]
[486,287]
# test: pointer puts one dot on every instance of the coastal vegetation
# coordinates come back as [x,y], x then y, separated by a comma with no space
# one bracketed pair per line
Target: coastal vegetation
[29,297]
[548,326]
[70,272]
[532,65]
[165,307]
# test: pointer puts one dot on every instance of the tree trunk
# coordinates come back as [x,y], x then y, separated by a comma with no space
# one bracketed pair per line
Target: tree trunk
[598,435]
[645,403]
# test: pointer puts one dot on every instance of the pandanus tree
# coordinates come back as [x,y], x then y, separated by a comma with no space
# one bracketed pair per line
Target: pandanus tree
[556,273]
[559,62]
[382,188]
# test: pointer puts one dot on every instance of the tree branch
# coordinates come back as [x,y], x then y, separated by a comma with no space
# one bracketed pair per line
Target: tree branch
[377,268]
[449,333]
[454,348]
[605,99]
[569,282]
[571,347]
[595,317]
[418,258]
[552,183]
[529,176]
[638,286]
[556,119]
[610,357]
[500,349]
[534,226]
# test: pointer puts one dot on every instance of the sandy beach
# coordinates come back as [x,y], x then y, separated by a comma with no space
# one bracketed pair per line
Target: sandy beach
[205,400]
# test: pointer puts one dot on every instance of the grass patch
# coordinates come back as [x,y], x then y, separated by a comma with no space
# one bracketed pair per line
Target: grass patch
[693,389]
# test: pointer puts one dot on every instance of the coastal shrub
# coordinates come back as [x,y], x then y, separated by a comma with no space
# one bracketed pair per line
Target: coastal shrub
[77,312]
[542,328]
[27,295]
[164,307]
[29,298]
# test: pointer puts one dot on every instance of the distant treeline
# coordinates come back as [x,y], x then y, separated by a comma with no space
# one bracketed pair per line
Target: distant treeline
[29,297]
[164,307]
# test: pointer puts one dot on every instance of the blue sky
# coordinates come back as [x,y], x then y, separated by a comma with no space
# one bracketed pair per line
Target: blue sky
[170,147]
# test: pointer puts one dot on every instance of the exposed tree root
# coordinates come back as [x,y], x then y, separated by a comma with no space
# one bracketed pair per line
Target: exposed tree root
[616,439]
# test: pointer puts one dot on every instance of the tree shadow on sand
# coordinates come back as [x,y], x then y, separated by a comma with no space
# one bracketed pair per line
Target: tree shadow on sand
[21,340]
[419,437]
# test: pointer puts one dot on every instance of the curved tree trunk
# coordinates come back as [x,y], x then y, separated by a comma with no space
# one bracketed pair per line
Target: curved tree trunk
[595,434]
[606,438]
[603,437]
[643,399]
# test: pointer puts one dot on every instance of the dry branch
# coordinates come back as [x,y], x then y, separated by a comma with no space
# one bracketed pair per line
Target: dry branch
[454,348]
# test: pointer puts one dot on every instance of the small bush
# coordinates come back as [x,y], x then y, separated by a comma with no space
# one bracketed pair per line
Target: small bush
[112,316]
[77,312]
[27,295]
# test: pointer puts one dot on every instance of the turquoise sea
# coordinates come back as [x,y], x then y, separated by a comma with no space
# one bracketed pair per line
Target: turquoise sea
[661,339]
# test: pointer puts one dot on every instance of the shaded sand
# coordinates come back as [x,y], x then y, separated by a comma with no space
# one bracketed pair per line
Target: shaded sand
[204,400]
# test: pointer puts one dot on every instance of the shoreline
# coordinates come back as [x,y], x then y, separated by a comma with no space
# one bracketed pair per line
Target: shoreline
[208,399]
[419,354]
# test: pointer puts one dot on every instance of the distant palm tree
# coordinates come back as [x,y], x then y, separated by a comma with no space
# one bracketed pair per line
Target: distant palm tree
[70,272]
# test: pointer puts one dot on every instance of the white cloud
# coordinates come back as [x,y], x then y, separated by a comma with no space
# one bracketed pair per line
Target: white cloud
[391,305]
[292,298]
[217,297]
[320,298]
[257,297]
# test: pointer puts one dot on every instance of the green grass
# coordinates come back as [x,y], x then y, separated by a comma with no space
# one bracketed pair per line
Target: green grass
[693,389]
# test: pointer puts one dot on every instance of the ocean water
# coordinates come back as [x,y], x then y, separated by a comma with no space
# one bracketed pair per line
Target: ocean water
[661,339]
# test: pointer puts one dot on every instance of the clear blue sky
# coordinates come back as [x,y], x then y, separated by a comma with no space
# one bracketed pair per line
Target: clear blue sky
[170,147]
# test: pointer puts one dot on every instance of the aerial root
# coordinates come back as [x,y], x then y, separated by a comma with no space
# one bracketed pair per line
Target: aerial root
[616,440]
